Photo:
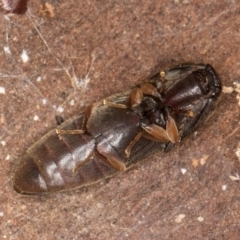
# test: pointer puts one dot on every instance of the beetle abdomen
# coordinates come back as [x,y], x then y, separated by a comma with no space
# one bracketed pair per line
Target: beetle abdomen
[53,164]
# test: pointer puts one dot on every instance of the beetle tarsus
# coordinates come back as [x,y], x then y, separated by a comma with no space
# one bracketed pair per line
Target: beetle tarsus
[132,143]
[112,104]
[67,132]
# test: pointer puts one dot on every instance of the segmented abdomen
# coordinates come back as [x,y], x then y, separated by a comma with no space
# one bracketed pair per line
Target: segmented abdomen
[53,164]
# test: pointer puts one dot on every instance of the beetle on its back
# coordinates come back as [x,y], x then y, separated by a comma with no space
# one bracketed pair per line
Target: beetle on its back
[116,133]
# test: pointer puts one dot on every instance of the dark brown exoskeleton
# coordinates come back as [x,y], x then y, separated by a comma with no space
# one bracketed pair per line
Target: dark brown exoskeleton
[114,134]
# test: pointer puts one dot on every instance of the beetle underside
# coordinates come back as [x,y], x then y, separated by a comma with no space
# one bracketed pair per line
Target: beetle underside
[116,133]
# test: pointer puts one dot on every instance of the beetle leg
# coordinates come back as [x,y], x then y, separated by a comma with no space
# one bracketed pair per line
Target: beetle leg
[181,71]
[64,132]
[112,104]
[86,116]
[116,164]
[76,131]
[149,89]
[89,157]
[132,143]
[119,165]
[172,129]
[73,131]
[158,133]
[112,156]
[136,97]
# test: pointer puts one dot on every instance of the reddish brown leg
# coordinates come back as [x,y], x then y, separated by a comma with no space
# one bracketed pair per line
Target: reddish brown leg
[112,104]
[76,131]
[163,82]
[72,131]
[172,130]
[74,170]
[149,89]
[64,132]
[86,116]
[158,133]
[118,165]
[112,157]
[112,161]
[137,93]
[136,97]
[132,143]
